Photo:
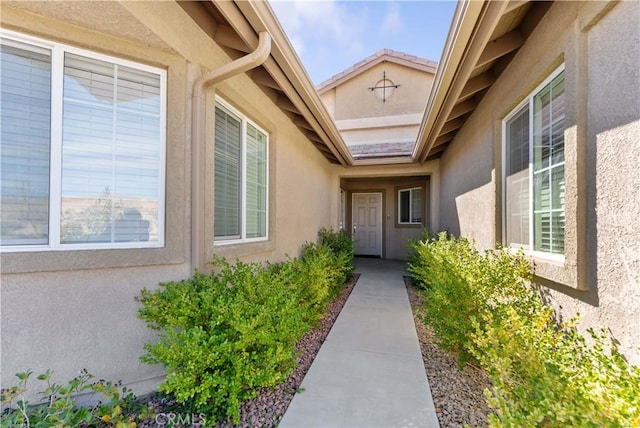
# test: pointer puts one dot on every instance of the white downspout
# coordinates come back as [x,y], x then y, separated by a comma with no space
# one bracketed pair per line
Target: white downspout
[240,65]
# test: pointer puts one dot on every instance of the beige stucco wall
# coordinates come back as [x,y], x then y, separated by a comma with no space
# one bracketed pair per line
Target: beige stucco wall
[362,117]
[599,44]
[66,310]
[355,100]
[388,179]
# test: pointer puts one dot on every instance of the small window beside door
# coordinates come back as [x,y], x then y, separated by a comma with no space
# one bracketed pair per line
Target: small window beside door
[411,206]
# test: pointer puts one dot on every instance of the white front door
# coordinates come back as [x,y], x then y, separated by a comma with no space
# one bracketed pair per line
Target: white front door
[367,223]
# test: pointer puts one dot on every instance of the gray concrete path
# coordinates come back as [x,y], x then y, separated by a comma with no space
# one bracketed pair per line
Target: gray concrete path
[369,371]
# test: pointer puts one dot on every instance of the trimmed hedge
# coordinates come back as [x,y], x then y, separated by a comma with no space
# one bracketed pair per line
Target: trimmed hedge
[482,307]
[225,334]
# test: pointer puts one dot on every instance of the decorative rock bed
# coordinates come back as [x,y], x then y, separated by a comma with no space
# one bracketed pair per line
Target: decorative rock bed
[457,394]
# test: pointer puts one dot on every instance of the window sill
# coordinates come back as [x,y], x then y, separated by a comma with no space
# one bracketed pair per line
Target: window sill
[555,271]
[50,261]
[236,249]
[78,247]
[409,225]
[552,268]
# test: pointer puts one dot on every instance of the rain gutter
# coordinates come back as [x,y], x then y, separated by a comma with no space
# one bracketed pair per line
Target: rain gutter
[240,65]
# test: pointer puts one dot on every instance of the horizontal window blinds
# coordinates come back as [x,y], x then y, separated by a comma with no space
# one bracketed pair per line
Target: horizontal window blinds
[256,189]
[228,171]
[548,167]
[25,117]
[111,150]
[517,179]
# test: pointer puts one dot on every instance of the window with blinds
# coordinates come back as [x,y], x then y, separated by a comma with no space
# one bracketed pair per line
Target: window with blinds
[241,178]
[410,206]
[517,179]
[534,170]
[25,127]
[82,148]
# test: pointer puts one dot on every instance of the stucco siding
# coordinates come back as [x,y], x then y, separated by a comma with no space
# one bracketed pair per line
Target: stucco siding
[467,184]
[613,173]
[598,43]
[68,321]
[354,99]
[69,310]
[388,179]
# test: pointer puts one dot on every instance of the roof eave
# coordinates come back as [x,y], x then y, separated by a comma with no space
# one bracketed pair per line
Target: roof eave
[395,160]
[472,25]
[288,70]
[371,62]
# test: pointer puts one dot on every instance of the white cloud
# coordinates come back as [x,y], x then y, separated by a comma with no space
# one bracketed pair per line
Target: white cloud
[392,20]
[313,22]
[298,44]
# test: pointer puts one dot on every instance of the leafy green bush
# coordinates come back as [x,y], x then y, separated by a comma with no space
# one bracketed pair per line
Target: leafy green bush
[545,376]
[223,335]
[58,406]
[459,280]
[341,243]
[226,334]
[483,307]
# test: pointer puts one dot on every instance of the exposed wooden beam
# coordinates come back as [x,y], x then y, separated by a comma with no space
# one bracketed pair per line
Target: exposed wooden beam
[261,77]
[451,125]
[436,151]
[441,148]
[302,123]
[477,84]
[500,47]
[514,4]
[314,137]
[286,104]
[320,145]
[228,38]
[199,12]
[323,148]
[444,138]
[533,17]
[462,108]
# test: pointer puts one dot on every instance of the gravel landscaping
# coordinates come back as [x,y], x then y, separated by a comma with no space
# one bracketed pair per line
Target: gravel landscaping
[457,394]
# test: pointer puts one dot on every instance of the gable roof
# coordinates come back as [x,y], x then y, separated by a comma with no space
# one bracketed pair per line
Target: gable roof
[484,37]
[382,55]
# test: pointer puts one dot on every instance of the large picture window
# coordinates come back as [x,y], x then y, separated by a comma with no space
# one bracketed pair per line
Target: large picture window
[82,149]
[241,178]
[534,182]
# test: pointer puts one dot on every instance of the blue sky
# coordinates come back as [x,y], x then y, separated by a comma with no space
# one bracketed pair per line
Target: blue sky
[331,35]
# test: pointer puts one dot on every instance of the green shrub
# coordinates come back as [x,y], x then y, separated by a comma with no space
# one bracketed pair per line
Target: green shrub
[223,335]
[545,376]
[57,405]
[482,306]
[458,280]
[341,243]
[226,334]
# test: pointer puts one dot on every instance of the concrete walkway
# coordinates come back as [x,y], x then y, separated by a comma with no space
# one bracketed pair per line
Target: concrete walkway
[369,371]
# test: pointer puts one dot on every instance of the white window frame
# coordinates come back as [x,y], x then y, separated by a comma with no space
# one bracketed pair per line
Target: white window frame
[58,51]
[409,189]
[244,120]
[528,249]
